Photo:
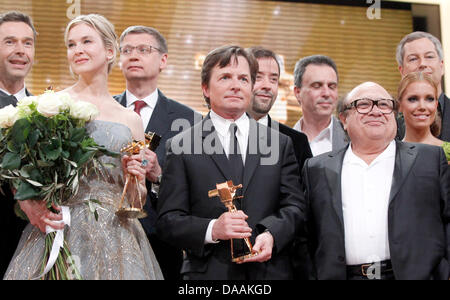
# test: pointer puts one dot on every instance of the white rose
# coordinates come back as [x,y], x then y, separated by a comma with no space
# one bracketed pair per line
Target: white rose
[66,100]
[8,116]
[24,105]
[49,104]
[27,101]
[84,111]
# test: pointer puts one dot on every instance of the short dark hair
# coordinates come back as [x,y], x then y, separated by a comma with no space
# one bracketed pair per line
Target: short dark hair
[17,16]
[300,66]
[260,52]
[222,57]
[162,43]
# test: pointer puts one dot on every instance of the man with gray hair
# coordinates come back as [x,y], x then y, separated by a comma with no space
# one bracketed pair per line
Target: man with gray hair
[379,207]
[143,55]
[421,51]
[316,90]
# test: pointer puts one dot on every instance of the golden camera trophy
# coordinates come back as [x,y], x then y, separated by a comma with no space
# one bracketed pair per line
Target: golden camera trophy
[135,147]
[240,248]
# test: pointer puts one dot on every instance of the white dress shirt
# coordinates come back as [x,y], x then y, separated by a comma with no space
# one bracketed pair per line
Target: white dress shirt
[264,121]
[323,142]
[365,201]
[19,95]
[146,111]
[222,127]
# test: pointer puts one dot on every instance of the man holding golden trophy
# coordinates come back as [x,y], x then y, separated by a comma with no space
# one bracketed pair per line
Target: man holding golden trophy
[230,183]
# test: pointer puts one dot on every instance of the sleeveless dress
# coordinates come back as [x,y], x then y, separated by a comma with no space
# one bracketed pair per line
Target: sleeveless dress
[110,248]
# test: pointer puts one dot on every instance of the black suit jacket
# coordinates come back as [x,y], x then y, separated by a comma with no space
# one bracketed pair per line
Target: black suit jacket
[299,140]
[165,113]
[444,103]
[272,198]
[11,226]
[418,213]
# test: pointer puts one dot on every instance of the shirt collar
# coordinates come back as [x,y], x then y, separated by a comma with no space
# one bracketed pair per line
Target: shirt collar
[327,132]
[150,100]
[19,95]
[351,158]
[264,121]
[222,125]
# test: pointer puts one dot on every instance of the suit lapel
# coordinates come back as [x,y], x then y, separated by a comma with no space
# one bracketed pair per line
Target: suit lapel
[339,139]
[122,99]
[333,173]
[252,159]
[160,122]
[405,157]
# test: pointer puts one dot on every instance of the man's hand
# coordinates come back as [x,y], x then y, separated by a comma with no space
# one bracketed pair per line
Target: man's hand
[263,245]
[40,216]
[231,225]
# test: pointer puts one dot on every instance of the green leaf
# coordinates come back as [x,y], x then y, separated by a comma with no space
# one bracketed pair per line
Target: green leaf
[35,183]
[54,154]
[25,191]
[11,161]
[12,147]
[33,138]
[20,131]
[78,134]
[43,164]
[85,157]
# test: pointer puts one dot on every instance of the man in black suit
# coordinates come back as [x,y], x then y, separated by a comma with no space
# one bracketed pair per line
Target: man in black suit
[271,210]
[143,55]
[379,208]
[265,93]
[17,37]
[421,51]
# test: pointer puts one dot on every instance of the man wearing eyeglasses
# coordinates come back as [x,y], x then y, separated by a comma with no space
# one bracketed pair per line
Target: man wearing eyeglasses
[380,207]
[143,55]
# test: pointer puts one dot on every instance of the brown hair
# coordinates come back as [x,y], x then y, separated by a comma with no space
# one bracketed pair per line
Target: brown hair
[17,16]
[162,43]
[260,52]
[410,78]
[222,57]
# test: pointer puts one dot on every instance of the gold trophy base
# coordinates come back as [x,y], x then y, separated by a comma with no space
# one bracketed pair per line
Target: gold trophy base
[242,258]
[131,213]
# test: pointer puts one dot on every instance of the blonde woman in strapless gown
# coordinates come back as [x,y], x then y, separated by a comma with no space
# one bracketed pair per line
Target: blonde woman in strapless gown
[110,247]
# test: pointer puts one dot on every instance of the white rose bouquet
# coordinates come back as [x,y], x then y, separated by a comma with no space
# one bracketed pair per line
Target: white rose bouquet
[44,149]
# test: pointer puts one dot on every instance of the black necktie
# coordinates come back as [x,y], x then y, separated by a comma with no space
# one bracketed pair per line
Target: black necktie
[234,156]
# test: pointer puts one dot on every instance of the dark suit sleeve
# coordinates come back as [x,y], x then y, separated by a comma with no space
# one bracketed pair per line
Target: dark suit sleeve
[308,229]
[175,224]
[288,219]
[445,195]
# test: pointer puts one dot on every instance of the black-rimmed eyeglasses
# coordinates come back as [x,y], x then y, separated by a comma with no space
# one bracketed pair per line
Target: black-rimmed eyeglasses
[140,49]
[365,105]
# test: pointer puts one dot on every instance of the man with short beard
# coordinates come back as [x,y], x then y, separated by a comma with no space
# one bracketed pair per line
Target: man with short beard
[265,93]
